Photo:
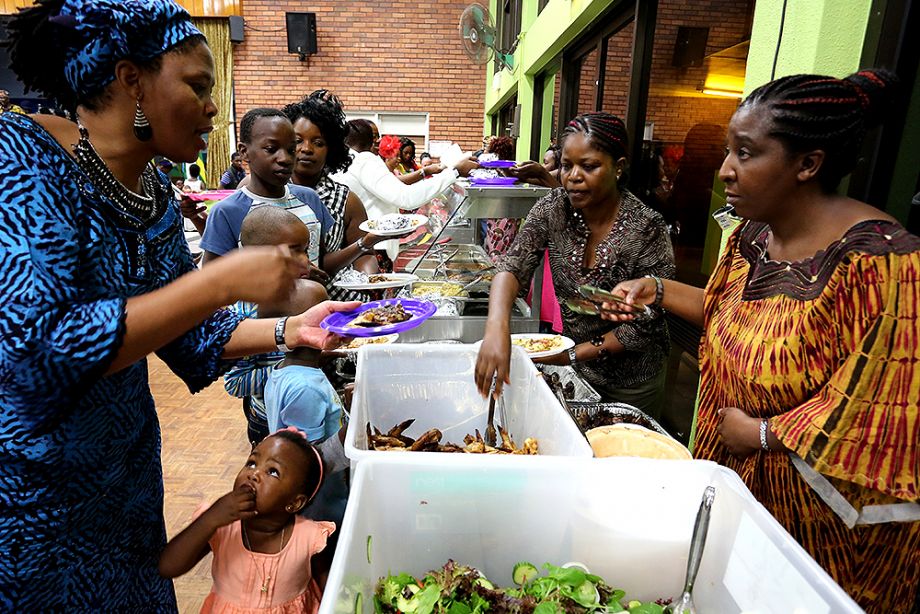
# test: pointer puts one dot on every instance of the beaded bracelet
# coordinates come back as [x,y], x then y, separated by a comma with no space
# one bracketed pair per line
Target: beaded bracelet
[764,445]
[659,290]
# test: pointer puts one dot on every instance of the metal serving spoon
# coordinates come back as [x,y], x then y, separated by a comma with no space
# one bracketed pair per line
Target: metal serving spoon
[684,603]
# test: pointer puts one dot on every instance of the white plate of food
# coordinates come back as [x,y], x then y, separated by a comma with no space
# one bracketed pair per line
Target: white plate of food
[356,280]
[393,224]
[539,345]
[353,344]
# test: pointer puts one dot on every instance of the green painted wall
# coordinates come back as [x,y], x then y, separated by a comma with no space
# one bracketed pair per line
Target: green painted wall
[819,36]
[543,36]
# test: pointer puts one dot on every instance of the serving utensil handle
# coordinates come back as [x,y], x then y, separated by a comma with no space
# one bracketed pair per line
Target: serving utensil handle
[698,541]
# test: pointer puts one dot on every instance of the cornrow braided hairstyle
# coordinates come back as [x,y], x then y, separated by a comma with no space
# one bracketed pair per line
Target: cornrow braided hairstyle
[811,112]
[606,132]
[313,476]
[324,110]
[249,120]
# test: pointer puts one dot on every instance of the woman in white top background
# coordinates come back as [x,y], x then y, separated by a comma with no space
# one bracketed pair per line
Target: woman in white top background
[381,191]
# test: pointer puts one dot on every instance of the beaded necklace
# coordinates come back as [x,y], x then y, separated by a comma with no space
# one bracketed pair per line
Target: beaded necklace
[140,206]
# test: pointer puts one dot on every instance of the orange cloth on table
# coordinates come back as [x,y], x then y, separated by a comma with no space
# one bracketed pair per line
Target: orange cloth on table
[828,349]
[239,574]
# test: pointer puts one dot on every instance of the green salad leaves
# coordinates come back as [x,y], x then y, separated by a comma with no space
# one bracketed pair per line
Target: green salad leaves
[459,589]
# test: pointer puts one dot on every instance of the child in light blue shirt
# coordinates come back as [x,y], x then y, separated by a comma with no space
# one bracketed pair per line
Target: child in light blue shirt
[297,393]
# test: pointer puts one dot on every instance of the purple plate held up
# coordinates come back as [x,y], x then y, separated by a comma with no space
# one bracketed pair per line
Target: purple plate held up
[338,322]
[492,181]
[497,164]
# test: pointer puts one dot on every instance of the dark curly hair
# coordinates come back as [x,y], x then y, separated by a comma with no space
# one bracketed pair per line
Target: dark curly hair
[360,134]
[314,475]
[38,48]
[325,112]
[503,147]
[811,112]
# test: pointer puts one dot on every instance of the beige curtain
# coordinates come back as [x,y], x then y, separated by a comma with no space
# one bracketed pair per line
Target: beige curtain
[217,31]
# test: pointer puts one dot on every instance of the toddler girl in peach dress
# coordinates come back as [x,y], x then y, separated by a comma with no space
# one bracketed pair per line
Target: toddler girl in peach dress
[262,547]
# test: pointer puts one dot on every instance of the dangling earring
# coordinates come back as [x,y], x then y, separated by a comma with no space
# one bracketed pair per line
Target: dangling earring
[142,129]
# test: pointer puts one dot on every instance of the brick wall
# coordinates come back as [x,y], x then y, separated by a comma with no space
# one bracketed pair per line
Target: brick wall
[674,114]
[376,56]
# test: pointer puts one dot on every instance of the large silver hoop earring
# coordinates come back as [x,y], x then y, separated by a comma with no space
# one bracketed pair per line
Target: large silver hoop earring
[142,129]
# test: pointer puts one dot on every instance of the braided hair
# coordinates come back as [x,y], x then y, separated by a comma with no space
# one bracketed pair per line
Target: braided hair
[325,112]
[249,120]
[812,112]
[313,476]
[39,46]
[606,132]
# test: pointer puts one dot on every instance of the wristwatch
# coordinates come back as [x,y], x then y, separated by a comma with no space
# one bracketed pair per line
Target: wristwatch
[279,335]
[573,358]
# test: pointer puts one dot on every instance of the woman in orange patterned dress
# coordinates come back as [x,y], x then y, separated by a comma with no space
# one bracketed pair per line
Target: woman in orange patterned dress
[810,361]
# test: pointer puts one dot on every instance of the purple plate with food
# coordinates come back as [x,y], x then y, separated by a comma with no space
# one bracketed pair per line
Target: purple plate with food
[493,181]
[393,315]
[497,164]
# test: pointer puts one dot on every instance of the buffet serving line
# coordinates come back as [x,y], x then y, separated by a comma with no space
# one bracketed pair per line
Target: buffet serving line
[481,493]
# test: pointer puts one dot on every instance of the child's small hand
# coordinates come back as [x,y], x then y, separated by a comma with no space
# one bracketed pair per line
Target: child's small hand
[239,504]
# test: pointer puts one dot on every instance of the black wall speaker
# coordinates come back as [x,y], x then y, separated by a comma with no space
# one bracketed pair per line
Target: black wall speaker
[236,29]
[301,33]
[690,48]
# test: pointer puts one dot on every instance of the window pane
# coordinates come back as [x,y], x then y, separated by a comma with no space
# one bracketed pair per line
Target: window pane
[697,75]
[617,71]
[587,83]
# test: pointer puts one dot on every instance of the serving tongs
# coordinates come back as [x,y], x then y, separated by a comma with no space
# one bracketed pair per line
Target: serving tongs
[684,603]
[477,279]
[491,434]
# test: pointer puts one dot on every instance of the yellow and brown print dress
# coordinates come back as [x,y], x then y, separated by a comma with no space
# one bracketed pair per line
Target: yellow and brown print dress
[828,349]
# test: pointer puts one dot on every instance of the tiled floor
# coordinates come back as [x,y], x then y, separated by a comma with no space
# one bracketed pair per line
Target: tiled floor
[204,447]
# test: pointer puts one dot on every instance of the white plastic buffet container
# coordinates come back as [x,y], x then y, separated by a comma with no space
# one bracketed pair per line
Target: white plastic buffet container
[434,384]
[628,520]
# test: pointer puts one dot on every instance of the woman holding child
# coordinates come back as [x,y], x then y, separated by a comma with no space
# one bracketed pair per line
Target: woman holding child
[94,275]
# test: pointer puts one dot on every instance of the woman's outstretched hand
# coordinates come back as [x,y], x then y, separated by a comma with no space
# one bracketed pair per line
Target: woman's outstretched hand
[533,173]
[304,330]
[636,294]
[493,362]
[258,274]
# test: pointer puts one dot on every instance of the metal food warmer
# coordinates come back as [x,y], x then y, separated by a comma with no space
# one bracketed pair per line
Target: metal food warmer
[462,262]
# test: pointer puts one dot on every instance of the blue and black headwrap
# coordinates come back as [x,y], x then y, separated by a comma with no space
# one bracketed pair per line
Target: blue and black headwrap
[107,31]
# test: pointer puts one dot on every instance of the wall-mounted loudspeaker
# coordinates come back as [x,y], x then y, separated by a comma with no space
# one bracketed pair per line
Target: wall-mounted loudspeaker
[301,33]
[236,29]
[690,48]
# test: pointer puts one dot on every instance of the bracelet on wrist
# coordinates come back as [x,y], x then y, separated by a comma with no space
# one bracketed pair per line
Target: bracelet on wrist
[279,334]
[364,249]
[764,444]
[659,289]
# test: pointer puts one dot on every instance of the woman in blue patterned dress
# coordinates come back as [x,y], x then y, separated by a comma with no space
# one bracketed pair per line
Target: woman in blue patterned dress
[94,275]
